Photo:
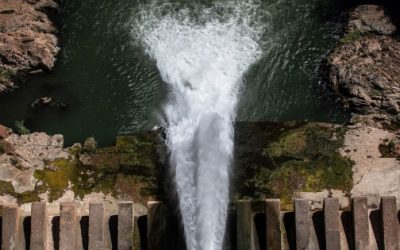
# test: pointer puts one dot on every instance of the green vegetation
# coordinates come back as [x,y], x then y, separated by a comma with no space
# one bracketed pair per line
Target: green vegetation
[300,158]
[351,37]
[272,161]
[131,169]
[7,188]
[21,129]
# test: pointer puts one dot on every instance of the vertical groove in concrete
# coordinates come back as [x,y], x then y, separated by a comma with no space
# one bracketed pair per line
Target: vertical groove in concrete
[125,226]
[332,225]
[96,226]
[156,223]
[67,226]
[273,224]
[360,223]
[244,225]
[303,224]
[10,228]
[390,223]
[39,220]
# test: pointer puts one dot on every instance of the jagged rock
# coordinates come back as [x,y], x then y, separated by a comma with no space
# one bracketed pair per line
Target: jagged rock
[36,148]
[371,18]
[364,69]
[27,39]
[365,74]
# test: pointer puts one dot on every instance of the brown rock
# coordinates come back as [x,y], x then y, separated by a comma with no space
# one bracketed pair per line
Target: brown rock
[4,132]
[27,39]
[365,74]
[364,70]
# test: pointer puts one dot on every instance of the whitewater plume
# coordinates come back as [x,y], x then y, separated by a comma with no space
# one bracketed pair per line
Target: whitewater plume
[202,52]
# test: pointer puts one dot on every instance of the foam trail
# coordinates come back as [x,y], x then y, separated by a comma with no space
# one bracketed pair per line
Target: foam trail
[202,53]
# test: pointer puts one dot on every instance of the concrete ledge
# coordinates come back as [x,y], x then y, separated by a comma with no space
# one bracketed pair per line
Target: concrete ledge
[303,224]
[360,223]
[332,224]
[96,226]
[39,221]
[10,228]
[125,226]
[273,224]
[390,223]
[68,226]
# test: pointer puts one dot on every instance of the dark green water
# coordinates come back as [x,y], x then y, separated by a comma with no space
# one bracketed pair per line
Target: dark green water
[112,87]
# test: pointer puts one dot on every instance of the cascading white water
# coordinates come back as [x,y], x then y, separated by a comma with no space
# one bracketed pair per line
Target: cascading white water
[202,54]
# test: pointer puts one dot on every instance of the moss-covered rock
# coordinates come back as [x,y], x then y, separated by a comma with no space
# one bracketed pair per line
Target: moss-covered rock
[129,169]
[278,160]
[271,160]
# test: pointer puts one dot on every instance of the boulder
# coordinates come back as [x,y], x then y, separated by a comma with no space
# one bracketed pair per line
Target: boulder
[28,39]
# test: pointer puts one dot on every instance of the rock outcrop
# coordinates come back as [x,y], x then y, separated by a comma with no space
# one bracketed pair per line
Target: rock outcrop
[364,70]
[36,167]
[272,160]
[28,41]
[24,154]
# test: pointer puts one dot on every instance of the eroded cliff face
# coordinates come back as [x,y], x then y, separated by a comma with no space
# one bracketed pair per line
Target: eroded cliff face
[28,41]
[364,69]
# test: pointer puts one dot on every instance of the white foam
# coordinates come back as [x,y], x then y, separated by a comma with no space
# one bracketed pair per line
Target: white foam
[202,53]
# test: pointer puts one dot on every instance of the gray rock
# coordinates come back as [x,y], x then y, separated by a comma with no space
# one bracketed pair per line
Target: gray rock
[33,150]
[24,181]
[8,172]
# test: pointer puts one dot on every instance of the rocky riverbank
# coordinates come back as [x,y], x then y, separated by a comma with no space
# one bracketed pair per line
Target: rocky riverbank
[28,41]
[272,160]
[364,69]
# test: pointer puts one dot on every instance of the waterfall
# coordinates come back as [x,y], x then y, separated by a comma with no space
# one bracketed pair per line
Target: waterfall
[202,52]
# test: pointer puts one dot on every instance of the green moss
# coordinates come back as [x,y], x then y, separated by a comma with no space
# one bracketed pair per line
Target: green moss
[131,166]
[290,144]
[26,197]
[56,181]
[351,37]
[301,158]
[6,188]
[130,143]
[21,129]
